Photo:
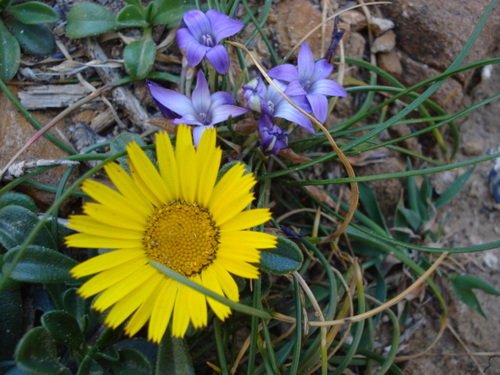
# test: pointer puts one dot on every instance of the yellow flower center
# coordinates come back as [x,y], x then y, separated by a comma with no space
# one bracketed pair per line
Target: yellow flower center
[182,237]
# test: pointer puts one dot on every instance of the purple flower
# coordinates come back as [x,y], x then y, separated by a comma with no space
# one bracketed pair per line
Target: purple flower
[266,100]
[153,89]
[202,109]
[202,35]
[272,138]
[312,77]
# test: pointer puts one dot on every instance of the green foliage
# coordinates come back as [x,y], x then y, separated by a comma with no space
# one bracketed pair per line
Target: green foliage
[285,258]
[463,286]
[23,26]
[88,19]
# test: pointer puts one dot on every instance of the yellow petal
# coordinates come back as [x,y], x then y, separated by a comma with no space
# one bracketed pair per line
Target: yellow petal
[147,177]
[246,219]
[186,163]
[162,310]
[211,281]
[238,268]
[99,242]
[130,302]
[143,313]
[167,163]
[254,239]
[180,320]
[107,215]
[108,278]
[88,225]
[197,304]
[208,158]
[125,286]
[106,261]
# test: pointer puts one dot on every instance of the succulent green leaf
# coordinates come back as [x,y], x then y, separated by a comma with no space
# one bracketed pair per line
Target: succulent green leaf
[36,39]
[87,19]
[169,11]
[10,54]
[16,223]
[283,259]
[75,306]
[12,198]
[36,353]
[64,329]
[132,362]
[130,16]
[468,297]
[139,57]
[174,357]
[89,366]
[33,13]
[11,324]
[40,265]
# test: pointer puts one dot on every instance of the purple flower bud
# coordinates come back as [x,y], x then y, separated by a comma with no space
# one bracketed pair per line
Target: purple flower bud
[272,138]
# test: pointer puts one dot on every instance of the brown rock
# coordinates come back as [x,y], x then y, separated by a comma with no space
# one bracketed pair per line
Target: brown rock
[380,25]
[384,43]
[292,20]
[390,63]
[435,32]
[449,95]
[355,20]
[15,131]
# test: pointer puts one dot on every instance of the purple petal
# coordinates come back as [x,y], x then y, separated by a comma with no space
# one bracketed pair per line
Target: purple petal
[201,94]
[171,99]
[284,72]
[221,97]
[305,63]
[153,89]
[328,87]
[188,120]
[302,102]
[194,51]
[198,132]
[322,70]
[198,23]
[223,25]
[223,112]
[319,105]
[286,111]
[219,58]
[294,88]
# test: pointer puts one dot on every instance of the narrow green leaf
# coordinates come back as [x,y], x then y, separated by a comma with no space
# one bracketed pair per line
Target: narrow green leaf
[33,13]
[174,357]
[412,192]
[40,265]
[36,39]
[87,19]
[12,198]
[10,54]
[454,188]
[472,282]
[468,297]
[371,206]
[11,324]
[64,329]
[36,353]
[131,16]
[412,218]
[283,259]
[139,57]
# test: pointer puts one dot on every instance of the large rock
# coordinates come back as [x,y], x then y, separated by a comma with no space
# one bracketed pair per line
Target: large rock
[434,33]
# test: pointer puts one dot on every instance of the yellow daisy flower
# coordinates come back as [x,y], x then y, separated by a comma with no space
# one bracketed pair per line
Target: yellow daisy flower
[176,215]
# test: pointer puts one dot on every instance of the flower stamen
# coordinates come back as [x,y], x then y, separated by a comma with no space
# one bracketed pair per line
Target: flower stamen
[182,237]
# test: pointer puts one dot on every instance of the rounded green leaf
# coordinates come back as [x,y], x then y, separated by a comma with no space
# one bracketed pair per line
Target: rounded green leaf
[283,259]
[132,362]
[139,57]
[40,265]
[11,324]
[36,353]
[88,19]
[90,367]
[36,39]
[76,307]
[10,54]
[33,13]
[63,328]
[16,223]
[12,198]
[131,16]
